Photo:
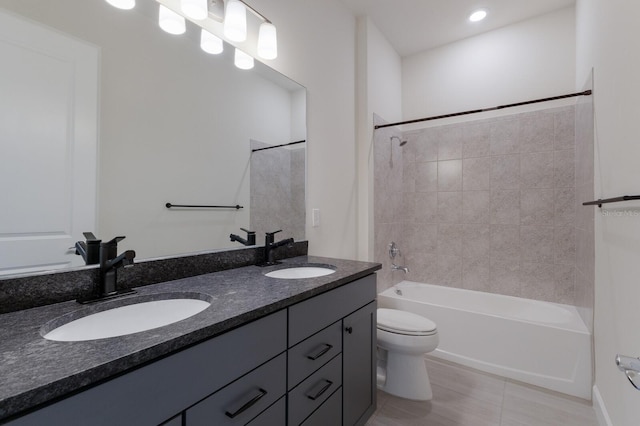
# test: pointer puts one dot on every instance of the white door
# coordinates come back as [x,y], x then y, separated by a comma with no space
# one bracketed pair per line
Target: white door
[48,145]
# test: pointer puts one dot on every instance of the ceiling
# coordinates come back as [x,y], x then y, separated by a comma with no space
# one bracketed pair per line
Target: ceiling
[412,26]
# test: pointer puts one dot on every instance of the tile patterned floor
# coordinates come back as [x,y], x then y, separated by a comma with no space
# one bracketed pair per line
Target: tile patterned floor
[466,397]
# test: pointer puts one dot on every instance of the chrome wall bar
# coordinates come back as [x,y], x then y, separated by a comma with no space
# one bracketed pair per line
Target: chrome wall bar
[475,111]
[600,202]
[190,206]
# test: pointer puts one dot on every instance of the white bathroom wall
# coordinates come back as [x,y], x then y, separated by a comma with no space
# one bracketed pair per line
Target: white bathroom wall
[379,92]
[527,60]
[607,40]
[316,47]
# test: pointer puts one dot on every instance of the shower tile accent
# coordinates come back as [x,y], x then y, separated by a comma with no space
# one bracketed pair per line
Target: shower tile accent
[494,204]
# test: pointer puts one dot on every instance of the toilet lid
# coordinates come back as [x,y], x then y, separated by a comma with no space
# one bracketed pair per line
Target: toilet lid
[403,322]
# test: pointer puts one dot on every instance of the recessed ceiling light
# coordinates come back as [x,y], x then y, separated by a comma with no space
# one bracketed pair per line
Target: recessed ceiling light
[478,15]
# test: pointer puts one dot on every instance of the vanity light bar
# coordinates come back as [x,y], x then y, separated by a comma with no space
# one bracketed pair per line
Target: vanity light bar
[235,26]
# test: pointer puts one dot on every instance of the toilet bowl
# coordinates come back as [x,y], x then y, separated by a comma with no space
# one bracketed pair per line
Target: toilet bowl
[403,340]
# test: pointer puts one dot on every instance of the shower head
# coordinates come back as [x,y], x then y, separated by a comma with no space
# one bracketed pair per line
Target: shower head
[402,143]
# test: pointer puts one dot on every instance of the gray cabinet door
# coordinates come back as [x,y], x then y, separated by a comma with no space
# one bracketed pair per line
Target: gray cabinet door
[359,365]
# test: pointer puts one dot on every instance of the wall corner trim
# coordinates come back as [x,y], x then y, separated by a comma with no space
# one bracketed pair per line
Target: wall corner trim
[601,410]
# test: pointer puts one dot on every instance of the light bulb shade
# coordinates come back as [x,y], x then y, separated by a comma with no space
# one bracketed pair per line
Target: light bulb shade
[242,60]
[122,4]
[235,21]
[210,43]
[195,9]
[170,21]
[267,41]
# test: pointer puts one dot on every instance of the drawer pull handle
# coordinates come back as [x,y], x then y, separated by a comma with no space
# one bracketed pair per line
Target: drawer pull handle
[349,330]
[323,388]
[327,347]
[233,412]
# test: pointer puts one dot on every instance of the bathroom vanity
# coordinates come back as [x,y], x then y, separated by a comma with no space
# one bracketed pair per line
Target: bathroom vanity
[266,352]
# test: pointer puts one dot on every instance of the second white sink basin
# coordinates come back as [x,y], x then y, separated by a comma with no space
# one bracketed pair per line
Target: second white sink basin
[127,319]
[300,272]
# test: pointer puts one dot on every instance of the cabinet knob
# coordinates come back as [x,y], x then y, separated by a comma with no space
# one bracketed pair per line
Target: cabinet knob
[349,330]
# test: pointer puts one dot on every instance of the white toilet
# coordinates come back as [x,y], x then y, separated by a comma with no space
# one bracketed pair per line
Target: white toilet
[403,339]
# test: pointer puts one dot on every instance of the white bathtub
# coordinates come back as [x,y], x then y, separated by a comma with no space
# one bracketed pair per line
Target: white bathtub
[544,344]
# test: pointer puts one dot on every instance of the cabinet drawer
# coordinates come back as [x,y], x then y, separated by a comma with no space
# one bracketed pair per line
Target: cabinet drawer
[244,399]
[311,354]
[316,389]
[329,413]
[276,415]
[312,315]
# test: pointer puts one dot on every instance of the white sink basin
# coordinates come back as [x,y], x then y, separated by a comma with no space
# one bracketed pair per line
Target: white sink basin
[127,319]
[300,272]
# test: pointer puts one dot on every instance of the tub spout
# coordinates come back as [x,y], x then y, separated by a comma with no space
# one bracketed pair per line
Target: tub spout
[395,267]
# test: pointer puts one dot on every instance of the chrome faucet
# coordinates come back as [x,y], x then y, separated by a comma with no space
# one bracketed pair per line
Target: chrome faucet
[270,245]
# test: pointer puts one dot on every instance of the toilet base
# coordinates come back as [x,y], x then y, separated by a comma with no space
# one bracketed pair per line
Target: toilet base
[404,376]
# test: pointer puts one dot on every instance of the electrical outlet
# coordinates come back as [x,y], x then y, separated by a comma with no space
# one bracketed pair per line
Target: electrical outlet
[315,220]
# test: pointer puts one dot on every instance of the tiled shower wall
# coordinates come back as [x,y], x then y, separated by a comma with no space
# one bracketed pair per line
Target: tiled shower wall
[487,205]
[277,192]
[388,202]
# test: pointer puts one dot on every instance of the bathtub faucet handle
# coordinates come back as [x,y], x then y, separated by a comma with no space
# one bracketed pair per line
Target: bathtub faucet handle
[394,250]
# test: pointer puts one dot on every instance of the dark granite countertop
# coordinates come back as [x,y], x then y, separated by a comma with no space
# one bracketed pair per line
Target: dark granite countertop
[34,371]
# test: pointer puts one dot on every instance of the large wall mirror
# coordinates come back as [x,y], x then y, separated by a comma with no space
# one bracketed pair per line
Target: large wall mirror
[167,123]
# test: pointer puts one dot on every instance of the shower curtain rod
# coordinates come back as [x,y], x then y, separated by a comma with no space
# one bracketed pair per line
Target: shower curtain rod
[278,146]
[475,111]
